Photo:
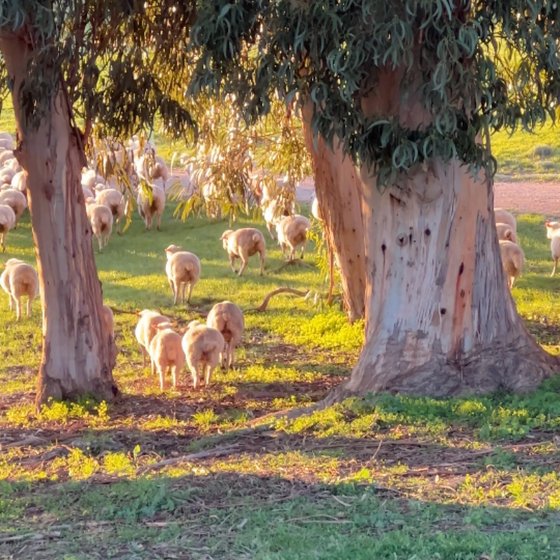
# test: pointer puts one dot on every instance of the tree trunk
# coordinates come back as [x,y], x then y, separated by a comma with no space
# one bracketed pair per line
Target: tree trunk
[440,318]
[339,191]
[78,356]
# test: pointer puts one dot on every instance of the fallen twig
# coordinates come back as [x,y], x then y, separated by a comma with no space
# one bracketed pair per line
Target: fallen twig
[268,297]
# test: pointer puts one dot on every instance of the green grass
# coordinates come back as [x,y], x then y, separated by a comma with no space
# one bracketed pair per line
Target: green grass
[383,476]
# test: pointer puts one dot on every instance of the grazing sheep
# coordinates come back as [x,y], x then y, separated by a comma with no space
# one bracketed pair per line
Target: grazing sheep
[101,220]
[7,222]
[183,271]
[5,155]
[113,199]
[108,321]
[292,233]
[513,260]
[90,178]
[203,347]
[242,244]
[166,353]
[20,279]
[15,200]
[151,206]
[506,232]
[19,181]
[553,233]
[7,141]
[146,329]
[227,318]
[504,217]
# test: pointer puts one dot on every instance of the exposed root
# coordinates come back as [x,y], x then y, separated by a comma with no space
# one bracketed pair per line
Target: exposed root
[269,296]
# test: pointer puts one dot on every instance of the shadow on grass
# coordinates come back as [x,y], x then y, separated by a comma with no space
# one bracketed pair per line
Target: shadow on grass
[237,516]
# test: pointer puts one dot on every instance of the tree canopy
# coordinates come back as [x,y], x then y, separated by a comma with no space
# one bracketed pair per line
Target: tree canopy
[473,65]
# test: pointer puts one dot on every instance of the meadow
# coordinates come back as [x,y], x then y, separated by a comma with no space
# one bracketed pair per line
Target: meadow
[207,474]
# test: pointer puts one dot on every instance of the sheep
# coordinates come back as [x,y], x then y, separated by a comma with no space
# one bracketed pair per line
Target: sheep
[90,178]
[504,217]
[7,222]
[506,232]
[150,206]
[227,318]
[183,271]
[166,353]
[113,199]
[5,155]
[108,321]
[15,200]
[146,329]
[553,233]
[7,141]
[101,220]
[292,233]
[19,181]
[315,210]
[20,279]
[203,346]
[242,244]
[513,260]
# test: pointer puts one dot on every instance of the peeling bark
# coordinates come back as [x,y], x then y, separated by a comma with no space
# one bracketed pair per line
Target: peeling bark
[78,357]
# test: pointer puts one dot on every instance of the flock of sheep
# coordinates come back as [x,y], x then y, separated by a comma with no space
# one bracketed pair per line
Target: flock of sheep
[202,347]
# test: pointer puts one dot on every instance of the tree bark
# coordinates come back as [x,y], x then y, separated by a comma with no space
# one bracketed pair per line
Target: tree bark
[338,188]
[440,318]
[78,356]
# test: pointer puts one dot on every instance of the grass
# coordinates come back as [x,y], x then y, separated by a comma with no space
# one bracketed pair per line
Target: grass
[154,475]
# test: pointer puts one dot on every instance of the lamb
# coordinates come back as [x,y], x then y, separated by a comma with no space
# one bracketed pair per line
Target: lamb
[15,200]
[19,181]
[203,347]
[227,318]
[242,244]
[20,279]
[101,220]
[108,320]
[292,233]
[113,199]
[506,232]
[504,217]
[146,329]
[183,271]
[151,206]
[166,353]
[553,233]
[513,260]
[7,222]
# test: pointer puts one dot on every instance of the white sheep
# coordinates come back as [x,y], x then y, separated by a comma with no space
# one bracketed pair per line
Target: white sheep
[19,181]
[506,232]
[166,353]
[502,216]
[227,318]
[183,272]
[108,320]
[203,346]
[7,222]
[151,204]
[513,260]
[315,210]
[242,244]
[101,220]
[16,200]
[20,279]
[113,199]
[292,233]
[146,329]
[553,233]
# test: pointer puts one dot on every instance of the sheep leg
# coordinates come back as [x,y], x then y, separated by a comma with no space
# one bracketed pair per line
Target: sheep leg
[29,307]
[161,380]
[244,262]
[208,375]
[262,262]
[174,376]
[232,263]
[555,265]
[189,292]
[159,222]
[173,289]
[12,301]
[144,354]
[303,248]
[194,374]
[18,309]
[3,241]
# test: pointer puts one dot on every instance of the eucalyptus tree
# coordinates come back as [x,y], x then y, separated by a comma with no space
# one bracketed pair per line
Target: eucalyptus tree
[400,98]
[82,61]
